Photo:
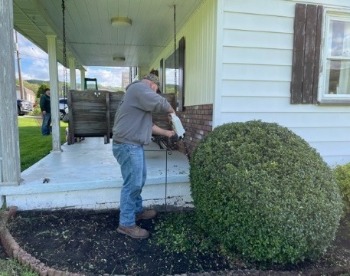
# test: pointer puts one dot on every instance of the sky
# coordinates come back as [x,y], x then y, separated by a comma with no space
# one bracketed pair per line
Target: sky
[34,64]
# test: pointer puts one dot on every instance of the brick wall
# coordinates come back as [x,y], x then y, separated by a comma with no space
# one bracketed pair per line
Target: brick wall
[197,121]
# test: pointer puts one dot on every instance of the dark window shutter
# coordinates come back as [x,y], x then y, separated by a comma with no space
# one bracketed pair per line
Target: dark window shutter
[181,99]
[306,53]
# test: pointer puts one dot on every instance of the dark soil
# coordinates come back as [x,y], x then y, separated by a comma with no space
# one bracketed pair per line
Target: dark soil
[87,242]
[3,254]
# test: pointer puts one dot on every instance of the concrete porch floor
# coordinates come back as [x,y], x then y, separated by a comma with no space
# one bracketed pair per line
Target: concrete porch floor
[86,175]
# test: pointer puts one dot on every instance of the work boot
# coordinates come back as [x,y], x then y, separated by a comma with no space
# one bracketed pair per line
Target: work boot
[135,231]
[146,214]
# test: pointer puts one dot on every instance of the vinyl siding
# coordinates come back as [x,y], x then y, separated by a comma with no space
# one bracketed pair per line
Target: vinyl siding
[254,65]
[199,32]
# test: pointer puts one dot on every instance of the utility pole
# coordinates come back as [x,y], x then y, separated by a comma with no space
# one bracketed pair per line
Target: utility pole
[19,69]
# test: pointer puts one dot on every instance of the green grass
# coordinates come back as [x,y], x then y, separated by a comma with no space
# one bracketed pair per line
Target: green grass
[33,145]
[13,268]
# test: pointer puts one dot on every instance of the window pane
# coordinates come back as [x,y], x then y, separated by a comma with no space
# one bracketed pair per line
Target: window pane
[171,69]
[339,38]
[171,86]
[339,77]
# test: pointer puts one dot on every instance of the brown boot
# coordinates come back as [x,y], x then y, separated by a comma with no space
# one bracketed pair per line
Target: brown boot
[133,231]
[146,214]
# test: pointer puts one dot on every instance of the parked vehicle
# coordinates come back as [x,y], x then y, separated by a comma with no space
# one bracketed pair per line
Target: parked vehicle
[24,107]
[62,106]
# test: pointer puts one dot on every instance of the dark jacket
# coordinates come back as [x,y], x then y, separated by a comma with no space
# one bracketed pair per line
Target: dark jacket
[45,103]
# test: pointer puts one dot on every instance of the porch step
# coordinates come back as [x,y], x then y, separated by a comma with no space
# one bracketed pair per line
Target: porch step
[86,175]
[92,195]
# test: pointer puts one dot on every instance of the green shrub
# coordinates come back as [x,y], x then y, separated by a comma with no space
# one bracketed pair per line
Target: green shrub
[262,191]
[36,110]
[177,233]
[342,175]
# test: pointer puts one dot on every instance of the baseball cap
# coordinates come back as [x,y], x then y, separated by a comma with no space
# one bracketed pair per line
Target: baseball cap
[153,78]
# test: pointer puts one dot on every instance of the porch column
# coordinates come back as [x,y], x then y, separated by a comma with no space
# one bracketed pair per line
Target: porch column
[73,81]
[82,78]
[10,165]
[53,72]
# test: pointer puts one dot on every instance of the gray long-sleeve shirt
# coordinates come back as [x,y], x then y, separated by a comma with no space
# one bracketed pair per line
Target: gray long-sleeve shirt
[133,120]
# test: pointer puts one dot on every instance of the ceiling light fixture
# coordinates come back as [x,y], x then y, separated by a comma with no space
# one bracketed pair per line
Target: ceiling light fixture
[121,21]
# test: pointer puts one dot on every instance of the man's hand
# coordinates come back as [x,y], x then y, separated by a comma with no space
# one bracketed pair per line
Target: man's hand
[170,133]
[156,130]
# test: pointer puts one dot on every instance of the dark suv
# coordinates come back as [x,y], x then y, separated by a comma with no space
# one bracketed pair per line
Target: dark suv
[24,107]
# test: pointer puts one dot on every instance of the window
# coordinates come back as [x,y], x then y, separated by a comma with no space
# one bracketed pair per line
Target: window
[335,77]
[320,75]
[174,73]
[171,73]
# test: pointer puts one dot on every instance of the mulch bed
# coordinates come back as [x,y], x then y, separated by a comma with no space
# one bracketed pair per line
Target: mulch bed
[3,254]
[86,242]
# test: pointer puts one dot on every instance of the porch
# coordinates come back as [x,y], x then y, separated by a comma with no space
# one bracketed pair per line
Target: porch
[86,175]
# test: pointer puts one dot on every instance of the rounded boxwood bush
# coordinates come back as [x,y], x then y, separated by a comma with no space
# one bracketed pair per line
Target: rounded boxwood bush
[262,191]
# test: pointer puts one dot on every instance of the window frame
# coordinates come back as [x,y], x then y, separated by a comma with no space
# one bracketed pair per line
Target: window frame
[324,97]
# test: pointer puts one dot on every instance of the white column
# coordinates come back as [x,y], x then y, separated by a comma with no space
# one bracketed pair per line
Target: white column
[73,80]
[82,78]
[10,165]
[53,71]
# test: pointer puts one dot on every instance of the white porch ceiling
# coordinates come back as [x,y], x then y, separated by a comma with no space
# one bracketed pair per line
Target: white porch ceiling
[91,38]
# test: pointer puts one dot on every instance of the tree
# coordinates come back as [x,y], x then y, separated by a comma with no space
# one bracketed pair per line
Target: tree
[41,90]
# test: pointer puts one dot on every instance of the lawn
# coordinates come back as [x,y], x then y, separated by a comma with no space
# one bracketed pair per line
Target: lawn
[33,145]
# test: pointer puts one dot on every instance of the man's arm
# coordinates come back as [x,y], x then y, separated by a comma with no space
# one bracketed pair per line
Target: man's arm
[163,132]
[171,109]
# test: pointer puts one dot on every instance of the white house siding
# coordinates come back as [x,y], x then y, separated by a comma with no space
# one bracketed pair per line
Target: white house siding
[29,95]
[199,32]
[254,73]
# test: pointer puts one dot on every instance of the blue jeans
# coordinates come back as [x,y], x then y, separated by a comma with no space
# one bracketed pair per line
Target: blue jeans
[133,168]
[46,125]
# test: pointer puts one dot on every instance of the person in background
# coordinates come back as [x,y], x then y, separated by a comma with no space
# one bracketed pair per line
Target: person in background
[45,107]
[133,128]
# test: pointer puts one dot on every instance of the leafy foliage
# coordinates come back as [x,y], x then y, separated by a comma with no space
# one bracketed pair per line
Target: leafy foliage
[342,175]
[36,109]
[41,90]
[12,267]
[178,233]
[262,191]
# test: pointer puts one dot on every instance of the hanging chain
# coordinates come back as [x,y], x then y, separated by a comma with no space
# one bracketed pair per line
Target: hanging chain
[175,60]
[65,78]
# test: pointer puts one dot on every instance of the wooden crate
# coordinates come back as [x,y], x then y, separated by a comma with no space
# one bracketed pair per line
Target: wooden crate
[92,112]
